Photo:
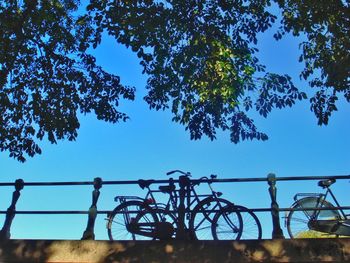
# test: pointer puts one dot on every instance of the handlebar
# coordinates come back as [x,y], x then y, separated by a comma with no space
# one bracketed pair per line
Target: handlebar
[206,179]
[198,181]
[188,174]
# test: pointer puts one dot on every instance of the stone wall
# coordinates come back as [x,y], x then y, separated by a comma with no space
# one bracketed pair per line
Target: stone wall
[302,250]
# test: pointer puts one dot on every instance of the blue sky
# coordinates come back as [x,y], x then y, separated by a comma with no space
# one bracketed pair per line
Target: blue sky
[149,145]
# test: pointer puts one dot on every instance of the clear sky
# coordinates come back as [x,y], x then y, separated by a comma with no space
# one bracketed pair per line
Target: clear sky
[149,145]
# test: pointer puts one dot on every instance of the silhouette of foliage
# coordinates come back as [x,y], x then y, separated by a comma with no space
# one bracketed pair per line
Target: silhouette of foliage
[200,59]
[326,51]
[47,76]
[199,56]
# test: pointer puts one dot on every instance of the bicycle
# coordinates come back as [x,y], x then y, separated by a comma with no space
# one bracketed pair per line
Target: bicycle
[135,218]
[313,216]
[163,221]
[226,220]
[200,218]
[140,218]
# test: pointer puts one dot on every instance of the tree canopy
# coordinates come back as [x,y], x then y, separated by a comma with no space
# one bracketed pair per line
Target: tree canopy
[46,75]
[199,57]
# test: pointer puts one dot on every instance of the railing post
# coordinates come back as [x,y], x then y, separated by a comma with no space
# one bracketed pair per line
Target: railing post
[89,232]
[184,183]
[11,211]
[277,231]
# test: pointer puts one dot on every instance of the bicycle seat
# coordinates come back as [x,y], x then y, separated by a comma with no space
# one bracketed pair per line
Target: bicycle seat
[167,189]
[326,183]
[145,183]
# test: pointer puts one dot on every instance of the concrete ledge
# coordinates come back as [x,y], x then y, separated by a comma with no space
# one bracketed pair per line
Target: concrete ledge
[302,250]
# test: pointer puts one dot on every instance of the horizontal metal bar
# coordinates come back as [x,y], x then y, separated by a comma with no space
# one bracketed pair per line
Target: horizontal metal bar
[261,209]
[228,180]
[238,180]
[295,178]
[299,209]
[48,183]
[339,177]
[55,212]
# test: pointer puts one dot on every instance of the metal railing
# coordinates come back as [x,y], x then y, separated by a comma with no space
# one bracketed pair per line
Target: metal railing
[97,184]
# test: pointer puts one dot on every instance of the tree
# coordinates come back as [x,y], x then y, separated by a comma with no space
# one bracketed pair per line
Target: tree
[200,59]
[47,76]
[326,25]
[199,56]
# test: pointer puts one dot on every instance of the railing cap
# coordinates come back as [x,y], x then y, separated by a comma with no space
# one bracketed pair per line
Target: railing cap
[97,183]
[19,184]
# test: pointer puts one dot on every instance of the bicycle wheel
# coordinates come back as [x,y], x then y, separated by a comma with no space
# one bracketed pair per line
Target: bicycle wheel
[299,222]
[223,227]
[131,211]
[203,214]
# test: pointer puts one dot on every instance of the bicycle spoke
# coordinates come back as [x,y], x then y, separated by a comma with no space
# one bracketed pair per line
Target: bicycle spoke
[305,221]
[203,228]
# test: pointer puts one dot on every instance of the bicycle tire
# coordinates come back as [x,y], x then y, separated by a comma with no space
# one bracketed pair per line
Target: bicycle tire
[117,221]
[202,216]
[298,221]
[251,226]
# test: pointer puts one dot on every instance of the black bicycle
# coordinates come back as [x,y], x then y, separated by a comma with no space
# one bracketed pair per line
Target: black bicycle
[312,215]
[138,218]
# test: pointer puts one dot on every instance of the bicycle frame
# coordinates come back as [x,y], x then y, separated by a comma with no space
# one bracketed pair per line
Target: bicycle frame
[171,206]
